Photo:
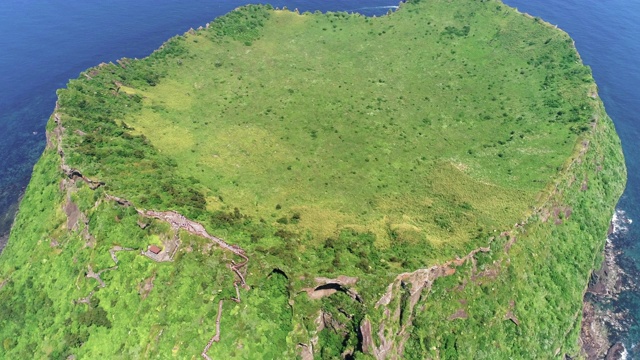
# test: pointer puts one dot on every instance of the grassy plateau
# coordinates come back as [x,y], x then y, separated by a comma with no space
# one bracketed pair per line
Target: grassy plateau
[434,183]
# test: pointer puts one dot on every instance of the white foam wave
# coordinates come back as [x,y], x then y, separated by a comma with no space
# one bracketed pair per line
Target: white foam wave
[625,354]
[620,222]
[394,7]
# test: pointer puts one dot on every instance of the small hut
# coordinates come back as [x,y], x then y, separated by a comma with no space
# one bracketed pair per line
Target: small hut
[154,249]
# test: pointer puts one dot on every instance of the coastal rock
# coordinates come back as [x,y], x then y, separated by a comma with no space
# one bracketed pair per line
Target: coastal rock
[601,322]
[616,352]
[3,240]
[593,335]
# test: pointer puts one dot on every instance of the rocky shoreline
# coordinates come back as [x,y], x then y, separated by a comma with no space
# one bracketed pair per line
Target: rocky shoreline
[3,241]
[7,216]
[602,322]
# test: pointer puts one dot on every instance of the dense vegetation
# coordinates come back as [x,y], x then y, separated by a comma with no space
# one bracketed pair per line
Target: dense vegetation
[323,145]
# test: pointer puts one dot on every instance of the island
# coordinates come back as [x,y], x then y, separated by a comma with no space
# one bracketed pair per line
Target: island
[436,183]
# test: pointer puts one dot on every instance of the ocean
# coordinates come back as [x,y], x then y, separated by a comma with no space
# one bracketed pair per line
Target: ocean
[44,43]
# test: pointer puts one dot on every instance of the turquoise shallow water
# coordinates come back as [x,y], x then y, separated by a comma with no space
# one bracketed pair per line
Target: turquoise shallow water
[43,43]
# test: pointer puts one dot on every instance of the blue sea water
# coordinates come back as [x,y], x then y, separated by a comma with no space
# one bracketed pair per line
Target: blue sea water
[43,43]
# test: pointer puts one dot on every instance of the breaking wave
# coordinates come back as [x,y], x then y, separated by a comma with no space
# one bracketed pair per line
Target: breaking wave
[378,7]
[620,223]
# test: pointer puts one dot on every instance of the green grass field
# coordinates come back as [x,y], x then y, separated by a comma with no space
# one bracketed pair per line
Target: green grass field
[323,145]
[383,125]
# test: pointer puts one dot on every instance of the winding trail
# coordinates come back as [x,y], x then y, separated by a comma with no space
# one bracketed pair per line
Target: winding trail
[115,249]
[216,337]
[237,298]
[178,221]
[96,275]
[86,299]
[175,219]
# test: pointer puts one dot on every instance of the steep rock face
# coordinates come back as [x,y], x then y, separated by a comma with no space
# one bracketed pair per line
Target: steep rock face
[515,216]
[602,323]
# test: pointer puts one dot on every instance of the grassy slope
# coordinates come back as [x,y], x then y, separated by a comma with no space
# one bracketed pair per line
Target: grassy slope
[394,144]
[543,272]
[424,137]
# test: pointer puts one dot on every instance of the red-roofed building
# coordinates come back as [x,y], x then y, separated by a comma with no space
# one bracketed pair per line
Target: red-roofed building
[154,249]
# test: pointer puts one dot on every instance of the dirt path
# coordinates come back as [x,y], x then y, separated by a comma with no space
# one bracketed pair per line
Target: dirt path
[176,220]
[86,299]
[94,275]
[116,249]
[237,298]
[216,337]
